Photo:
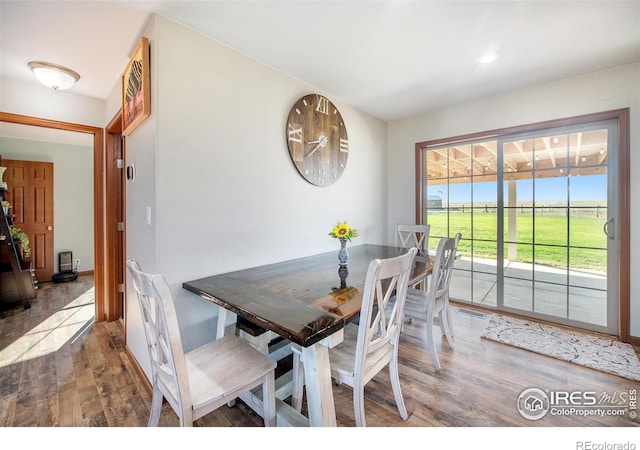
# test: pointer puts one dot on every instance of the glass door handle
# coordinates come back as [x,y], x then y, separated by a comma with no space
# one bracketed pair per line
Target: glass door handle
[606,229]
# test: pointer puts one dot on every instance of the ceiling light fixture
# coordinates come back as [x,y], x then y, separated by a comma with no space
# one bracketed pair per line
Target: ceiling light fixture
[53,76]
[489,58]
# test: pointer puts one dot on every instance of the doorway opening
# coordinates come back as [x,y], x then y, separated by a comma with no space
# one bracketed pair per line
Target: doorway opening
[100,242]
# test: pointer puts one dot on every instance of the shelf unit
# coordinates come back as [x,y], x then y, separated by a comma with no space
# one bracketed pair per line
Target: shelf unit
[17,278]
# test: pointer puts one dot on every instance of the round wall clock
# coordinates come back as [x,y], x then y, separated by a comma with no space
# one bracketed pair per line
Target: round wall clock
[317,139]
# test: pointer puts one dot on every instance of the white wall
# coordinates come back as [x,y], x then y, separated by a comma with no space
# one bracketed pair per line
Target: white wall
[73,193]
[603,91]
[212,163]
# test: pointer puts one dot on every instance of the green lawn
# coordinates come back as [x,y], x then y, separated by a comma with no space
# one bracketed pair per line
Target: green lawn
[583,230]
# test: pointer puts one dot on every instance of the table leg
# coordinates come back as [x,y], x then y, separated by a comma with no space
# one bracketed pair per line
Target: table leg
[222,320]
[317,375]
[221,327]
[220,332]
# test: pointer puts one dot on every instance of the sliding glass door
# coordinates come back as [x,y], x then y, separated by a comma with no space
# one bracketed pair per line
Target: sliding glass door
[537,216]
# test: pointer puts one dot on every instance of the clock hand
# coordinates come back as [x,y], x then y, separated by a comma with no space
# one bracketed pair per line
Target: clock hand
[312,151]
[322,142]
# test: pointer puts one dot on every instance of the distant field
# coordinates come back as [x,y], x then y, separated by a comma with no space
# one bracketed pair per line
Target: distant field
[583,229]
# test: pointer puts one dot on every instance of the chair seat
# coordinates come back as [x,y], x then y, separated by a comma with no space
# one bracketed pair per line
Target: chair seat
[236,363]
[416,305]
[342,358]
[416,297]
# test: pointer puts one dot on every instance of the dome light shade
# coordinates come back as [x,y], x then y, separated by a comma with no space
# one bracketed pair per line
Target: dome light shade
[54,76]
[488,58]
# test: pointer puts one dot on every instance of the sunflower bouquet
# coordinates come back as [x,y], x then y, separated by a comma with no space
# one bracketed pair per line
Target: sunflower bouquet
[343,231]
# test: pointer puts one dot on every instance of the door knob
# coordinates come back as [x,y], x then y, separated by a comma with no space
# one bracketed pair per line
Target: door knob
[49,227]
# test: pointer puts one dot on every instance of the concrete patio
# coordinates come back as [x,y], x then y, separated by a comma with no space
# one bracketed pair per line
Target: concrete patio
[576,295]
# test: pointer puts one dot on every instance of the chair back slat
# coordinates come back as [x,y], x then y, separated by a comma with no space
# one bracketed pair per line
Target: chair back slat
[443,269]
[380,325]
[408,236]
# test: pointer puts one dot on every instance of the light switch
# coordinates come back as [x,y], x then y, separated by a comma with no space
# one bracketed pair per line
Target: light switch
[148,215]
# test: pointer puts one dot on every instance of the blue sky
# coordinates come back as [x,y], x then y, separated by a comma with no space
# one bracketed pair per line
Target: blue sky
[583,188]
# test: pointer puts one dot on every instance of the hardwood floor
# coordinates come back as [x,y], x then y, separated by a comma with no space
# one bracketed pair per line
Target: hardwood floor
[58,368]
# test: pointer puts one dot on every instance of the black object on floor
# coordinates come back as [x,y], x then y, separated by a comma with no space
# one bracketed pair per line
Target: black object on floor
[64,277]
[67,272]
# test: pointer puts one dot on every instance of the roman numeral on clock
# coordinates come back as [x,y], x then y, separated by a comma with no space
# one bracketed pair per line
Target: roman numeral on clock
[295,134]
[323,105]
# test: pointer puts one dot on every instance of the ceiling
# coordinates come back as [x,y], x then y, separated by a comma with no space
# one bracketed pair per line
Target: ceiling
[391,59]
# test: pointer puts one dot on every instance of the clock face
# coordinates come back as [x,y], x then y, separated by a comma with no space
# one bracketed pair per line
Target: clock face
[317,140]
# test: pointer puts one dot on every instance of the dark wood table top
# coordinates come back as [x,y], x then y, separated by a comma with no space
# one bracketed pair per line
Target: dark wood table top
[303,300]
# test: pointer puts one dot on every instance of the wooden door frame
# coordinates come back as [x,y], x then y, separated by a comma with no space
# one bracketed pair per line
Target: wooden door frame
[114,207]
[98,195]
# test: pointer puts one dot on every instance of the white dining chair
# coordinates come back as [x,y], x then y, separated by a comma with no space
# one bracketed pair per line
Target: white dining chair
[372,344]
[434,303]
[407,236]
[202,380]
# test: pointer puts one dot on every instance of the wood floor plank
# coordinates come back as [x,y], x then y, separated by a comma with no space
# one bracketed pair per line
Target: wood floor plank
[60,369]
[7,409]
[87,393]
[69,410]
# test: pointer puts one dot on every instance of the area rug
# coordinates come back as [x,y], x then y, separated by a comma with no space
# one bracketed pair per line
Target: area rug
[605,355]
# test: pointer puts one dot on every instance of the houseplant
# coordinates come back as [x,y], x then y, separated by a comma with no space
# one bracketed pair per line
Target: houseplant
[5,206]
[21,237]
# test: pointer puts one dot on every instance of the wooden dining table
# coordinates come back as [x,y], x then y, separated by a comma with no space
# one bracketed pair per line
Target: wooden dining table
[306,301]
